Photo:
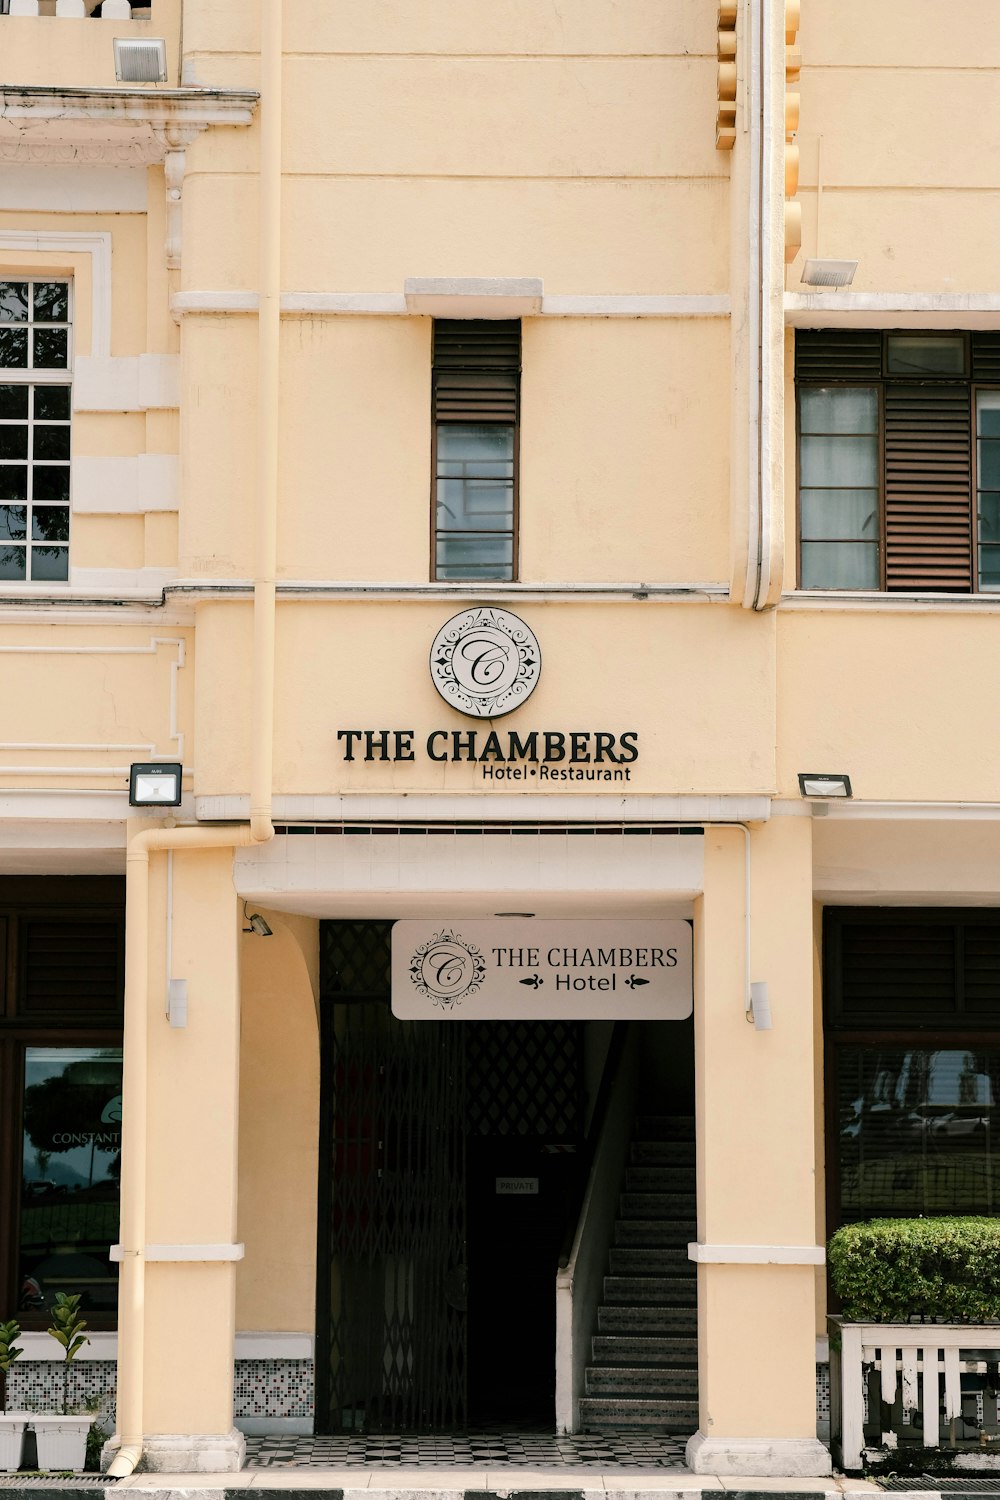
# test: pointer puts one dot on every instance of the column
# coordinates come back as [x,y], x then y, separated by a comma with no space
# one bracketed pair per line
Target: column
[191,1181]
[756,1161]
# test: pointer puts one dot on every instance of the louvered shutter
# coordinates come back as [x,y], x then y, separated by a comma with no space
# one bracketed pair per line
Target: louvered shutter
[476,367]
[928,487]
[900,970]
[834,354]
[71,966]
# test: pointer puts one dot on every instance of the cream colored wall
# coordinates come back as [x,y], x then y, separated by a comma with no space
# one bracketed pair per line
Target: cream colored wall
[279,1126]
[70,52]
[898,114]
[693,681]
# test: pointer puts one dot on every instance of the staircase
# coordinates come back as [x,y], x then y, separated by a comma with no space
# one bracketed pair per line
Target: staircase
[645,1351]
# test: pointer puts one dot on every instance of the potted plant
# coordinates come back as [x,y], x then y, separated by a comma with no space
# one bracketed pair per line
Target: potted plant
[61,1437]
[913,1358]
[12,1423]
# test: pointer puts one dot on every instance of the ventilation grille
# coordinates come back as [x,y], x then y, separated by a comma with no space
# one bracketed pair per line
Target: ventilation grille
[928,513]
[476,370]
[828,354]
[71,966]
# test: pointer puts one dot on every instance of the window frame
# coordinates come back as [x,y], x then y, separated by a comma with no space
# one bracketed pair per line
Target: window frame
[968,383]
[31,376]
[515,528]
[71,898]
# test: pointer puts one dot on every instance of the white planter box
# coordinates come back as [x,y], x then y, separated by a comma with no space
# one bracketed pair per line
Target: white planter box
[61,1440]
[12,1425]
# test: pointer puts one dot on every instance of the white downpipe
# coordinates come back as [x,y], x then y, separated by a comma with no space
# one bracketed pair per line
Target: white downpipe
[132,1330]
[760,232]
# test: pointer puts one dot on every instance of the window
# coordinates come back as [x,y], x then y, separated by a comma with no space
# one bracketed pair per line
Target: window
[894,493]
[34,431]
[61,985]
[912,1022]
[476,389]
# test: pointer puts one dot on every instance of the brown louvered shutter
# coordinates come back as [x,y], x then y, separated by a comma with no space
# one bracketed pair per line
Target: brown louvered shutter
[928,487]
[476,367]
[71,966]
[833,354]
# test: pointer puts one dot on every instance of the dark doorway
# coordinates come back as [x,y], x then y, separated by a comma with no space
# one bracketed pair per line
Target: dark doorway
[448,1155]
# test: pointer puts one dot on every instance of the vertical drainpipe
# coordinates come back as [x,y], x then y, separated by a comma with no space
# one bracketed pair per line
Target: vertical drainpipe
[764,528]
[135,1063]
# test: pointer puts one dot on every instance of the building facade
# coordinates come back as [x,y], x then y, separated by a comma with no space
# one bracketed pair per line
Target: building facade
[421,426]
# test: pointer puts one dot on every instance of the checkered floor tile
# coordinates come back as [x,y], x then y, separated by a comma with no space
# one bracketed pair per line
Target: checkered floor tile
[465,1450]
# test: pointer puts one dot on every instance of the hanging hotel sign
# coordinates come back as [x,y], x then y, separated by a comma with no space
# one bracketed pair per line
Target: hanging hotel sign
[485,663]
[541,969]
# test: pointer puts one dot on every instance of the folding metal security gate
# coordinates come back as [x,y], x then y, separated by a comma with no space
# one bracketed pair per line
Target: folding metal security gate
[401,1103]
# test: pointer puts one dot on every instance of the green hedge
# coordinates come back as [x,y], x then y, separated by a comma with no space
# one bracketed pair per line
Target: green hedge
[891,1270]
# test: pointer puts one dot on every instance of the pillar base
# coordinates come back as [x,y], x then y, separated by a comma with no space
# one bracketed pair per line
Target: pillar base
[187,1452]
[777,1458]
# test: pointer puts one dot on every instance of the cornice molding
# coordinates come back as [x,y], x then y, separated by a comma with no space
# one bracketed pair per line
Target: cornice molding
[117,127]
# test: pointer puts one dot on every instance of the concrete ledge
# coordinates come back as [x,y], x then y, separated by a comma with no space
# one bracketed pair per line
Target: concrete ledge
[784,1458]
[473,296]
[188,1453]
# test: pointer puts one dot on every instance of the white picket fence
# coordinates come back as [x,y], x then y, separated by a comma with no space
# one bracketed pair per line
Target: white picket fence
[111,10]
[914,1360]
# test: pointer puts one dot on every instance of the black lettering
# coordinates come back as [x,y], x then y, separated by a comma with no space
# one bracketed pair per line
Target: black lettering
[526,749]
[579,745]
[604,746]
[376,740]
[460,742]
[629,747]
[492,748]
[404,745]
[436,734]
[555,745]
[348,736]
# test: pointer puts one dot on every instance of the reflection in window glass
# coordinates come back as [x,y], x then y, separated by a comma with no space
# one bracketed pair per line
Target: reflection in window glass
[71,1165]
[475,500]
[838,487]
[918,1131]
[988,487]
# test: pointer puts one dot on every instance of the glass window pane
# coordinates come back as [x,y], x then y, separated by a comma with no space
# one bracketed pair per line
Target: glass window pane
[989,565]
[50,442]
[14,348]
[50,564]
[13,522]
[838,461]
[13,301]
[13,442]
[839,515]
[12,563]
[14,400]
[916,1131]
[840,565]
[838,409]
[51,300]
[71,1167]
[475,556]
[51,403]
[51,348]
[50,481]
[469,441]
[989,517]
[476,503]
[925,354]
[13,481]
[50,523]
[989,464]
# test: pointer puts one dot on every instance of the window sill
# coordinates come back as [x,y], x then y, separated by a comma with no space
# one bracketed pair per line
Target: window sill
[864,600]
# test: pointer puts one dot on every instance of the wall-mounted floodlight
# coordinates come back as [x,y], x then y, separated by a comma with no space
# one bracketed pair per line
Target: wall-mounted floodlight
[157,785]
[828,272]
[140,61]
[821,784]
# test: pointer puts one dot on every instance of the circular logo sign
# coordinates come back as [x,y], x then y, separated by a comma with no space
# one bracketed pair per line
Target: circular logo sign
[485,662]
[446,968]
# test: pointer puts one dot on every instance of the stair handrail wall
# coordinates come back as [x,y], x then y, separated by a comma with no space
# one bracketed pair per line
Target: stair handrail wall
[580,1277]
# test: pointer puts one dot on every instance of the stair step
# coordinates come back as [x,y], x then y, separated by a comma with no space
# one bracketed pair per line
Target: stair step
[661,1415]
[632,1349]
[665,1153]
[657,1205]
[641,1260]
[638,1319]
[640,1380]
[662,1291]
[659,1233]
[646,1179]
[664,1128]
